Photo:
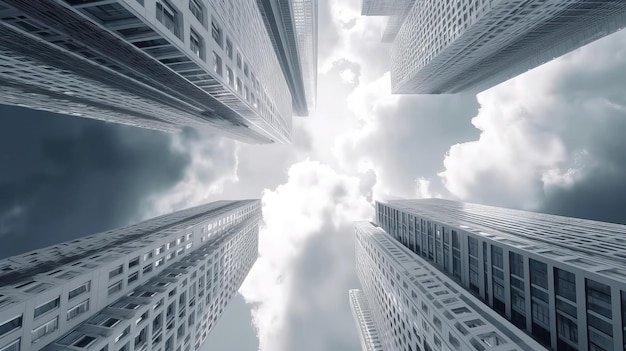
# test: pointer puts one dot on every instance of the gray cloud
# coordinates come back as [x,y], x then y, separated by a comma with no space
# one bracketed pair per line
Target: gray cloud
[66,177]
[550,139]
[411,138]
[319,312]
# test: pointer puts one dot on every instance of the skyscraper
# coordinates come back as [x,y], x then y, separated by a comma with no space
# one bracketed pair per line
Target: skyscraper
[561,280]
[158,64]
[415,307]
[471,45]
[157,285]
[292,25]
[366,325]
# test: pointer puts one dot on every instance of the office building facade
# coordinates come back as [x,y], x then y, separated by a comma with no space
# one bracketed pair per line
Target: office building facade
[157,285]
[561,280]
[158,64]
[418,308]
[292,26]
[457,46]
[365,323]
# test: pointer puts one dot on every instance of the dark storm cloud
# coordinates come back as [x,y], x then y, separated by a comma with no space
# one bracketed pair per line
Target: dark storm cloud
[601,193]
[64,177]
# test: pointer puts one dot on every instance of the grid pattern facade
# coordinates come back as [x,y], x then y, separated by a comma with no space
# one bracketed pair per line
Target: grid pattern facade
[416,307]
[470,45]
[561,280]
[366,326]
[385,7]
[157,285]
[155,64]
[292,25]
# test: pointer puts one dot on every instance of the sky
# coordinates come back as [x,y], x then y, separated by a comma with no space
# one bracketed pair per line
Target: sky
[550,140]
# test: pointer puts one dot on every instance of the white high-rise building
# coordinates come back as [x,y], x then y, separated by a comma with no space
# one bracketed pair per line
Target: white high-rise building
[471,45]
[366,325]
[159,285]
[158,64]
[416,307]
[561,280]
[292,25]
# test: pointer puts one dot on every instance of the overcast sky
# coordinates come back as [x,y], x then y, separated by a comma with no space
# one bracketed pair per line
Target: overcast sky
[550,140]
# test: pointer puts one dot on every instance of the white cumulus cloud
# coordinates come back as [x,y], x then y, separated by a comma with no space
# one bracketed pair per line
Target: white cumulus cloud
[314,196]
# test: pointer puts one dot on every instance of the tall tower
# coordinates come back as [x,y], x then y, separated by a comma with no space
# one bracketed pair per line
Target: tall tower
[158,64]
[366,325]
[416,307]
[292,26]
[561,280]
[157,285]
[470,45]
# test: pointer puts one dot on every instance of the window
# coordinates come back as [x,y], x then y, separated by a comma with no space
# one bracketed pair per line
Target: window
[216,32]
[134,262]
[217,63]
[496,257]
[461,310]
[566,328]
[48,306]
[10,325]
[491,339]
[147,256]
[84,342]
[115,287]
[45,329]
[160,250]
[133,277]
[517,264]
[166,14]
[108,322]
[142,318]
[238,86]
[245,69]
[141,338]
[78,310]
[79,290]
[117,271]
[196,44]
[538,273]
[238,65]
[158,262]
[13,346]
[540,313]
[123,334]
[474,323]
[498,290]
[196,10]
[599,298]
[147,269]
[565,284]
[229,51]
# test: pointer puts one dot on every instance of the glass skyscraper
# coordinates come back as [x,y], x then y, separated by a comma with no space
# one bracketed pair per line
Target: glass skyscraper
[407,304]
[156,285]
[292,25]
[560,280]
[158,64]
[471,45]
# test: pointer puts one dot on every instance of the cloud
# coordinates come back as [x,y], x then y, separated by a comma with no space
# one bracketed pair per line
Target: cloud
[346,35]
[403,139]
[548,135]
[66,177]
[315,203]
[213,163]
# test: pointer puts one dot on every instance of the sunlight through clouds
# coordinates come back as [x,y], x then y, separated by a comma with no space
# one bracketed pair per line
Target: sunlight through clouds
[314,196]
